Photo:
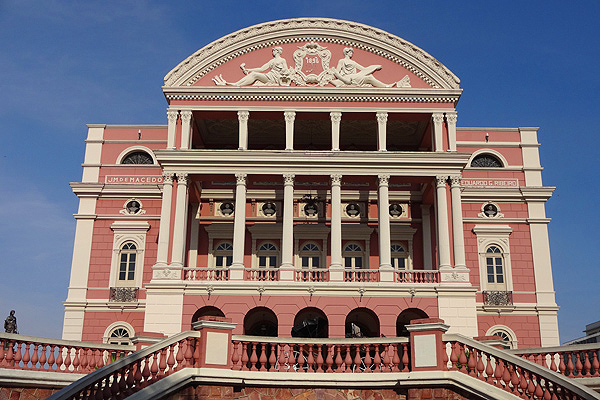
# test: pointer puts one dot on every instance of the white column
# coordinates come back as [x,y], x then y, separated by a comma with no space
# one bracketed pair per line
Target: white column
[438,120]
[336,222]
[382,130]
[172,117]
[243,129]
[287,240]
[451,119]
[186,127]
[239,222]
[180,223]
[336,118]
[290,116]
[426,225]
[383,205]
[162,252]
[192,260]
[442,222]
[457,223]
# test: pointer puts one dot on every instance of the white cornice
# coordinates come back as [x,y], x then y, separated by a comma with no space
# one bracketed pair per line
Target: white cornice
[324,30]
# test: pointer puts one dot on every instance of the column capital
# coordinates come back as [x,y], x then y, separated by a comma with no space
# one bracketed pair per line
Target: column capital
[336,116]
[451,117]
[167,178]
[382,116]
[455,180]
[288,179]
[240,178]
[438,118]
[289,116]
[172,115]
[384,179]
[182,178]
[440,180]
[186,116]
[336,179]
[243,115]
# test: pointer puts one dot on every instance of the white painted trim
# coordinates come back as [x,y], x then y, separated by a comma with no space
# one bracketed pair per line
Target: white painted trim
[509,332]
[487,150]
[115,325]
[132,149]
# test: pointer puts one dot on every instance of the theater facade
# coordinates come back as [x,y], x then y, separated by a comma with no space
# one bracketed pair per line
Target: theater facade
[311,181]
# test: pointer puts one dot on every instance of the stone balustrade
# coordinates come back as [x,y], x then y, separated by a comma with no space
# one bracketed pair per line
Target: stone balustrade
[575,361]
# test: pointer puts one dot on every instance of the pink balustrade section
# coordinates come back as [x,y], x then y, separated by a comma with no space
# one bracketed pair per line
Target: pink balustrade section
[40,354]
[312,275]
[351,356]
[417,276]
[261,274]
[206,274]
[361,275]
[576,361]
[507,372]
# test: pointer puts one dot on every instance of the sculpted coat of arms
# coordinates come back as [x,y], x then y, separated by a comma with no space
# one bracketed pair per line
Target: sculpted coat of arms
[311,68]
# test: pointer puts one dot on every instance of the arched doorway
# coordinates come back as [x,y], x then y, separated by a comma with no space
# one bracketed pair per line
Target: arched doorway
[362,322]
[404,319]
[260,321]
[207,311]
[310,322]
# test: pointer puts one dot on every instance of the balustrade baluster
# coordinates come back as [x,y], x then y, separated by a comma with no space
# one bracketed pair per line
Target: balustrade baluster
[489,370]
[454,356]
[472,362]
[395,358]
[59,358]
[171,359]
[272,356]
[368,359]
[10,355]
[146,370]
[51,358]
[263,357]
[154,367]
[387,360]
[514,380]
[301,359]
[561,366]
[34,356]
[570,366]
[114,386]
[235,357]
[348,360]
[130,379]
[253,358]
[180,352]
[319,358]
[162,365]
[377,359]
[244,356]
[189,354]
[462,358]
[284,356]
[68,361]
[357,359]
[405,357]
[445,356]
[578,365]
[138,375]
[587,365]
[539,392]
[3,343]
[310,360]
[480,366]
[595,363]
[82,360]
[196,360]
[552,363]
[338,359]
[123,382]
[506,376]
[329,359]
[531,385]
[523,383]
[547,395]
[498,372]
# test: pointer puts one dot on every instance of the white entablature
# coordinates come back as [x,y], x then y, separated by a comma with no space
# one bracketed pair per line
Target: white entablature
[306,30]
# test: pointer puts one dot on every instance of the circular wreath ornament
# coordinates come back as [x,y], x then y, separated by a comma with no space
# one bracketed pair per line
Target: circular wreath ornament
[311,210]
[269,209]
[490,210]
[353,210]
[396,210]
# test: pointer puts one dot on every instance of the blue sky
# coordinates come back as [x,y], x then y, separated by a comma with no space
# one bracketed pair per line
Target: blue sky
[66,64]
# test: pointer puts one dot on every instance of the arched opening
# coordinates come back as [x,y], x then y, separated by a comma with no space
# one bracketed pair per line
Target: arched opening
[207,311]
[404,319]
[310,322]
[260,321]
[362,322]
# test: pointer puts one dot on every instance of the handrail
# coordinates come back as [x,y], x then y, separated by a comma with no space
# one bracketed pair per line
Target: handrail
[509,372]
[136,371]
[574,361]
[272,339]
[62,342]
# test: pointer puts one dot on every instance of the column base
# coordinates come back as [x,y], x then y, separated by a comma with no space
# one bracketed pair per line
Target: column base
[236,272]
[286,272]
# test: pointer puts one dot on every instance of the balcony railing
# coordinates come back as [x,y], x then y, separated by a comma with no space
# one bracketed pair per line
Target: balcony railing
[261,274]
[417,276]
[497,298]
[206,274]
[312,275]
[361,275]
[123,294]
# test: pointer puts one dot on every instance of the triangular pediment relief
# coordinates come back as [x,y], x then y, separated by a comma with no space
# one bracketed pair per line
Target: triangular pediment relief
[312,52]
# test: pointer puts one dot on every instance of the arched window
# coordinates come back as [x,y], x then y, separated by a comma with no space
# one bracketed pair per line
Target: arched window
[223,255]
[138,157]
[486,161]
[127,260]
[119,335]
[494,261]
[310,255]
[267,255]
[362,322]
[508,337]
[399,256]
[353,256]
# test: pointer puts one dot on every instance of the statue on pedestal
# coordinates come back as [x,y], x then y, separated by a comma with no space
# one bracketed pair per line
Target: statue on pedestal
[10,323]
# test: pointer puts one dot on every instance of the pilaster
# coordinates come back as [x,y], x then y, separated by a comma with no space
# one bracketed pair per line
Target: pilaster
[336,118]
[457,223]
[287,240]
[438,120]
[162,252]
[426,225]
[172,127]
[442,222]
[239,228]
[243,129]
[180,225]
[290,116]
[382,118]
[336,228]
[186,129]
[451,120]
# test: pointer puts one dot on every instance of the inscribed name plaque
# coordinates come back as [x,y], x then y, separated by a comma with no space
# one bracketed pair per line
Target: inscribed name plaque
[489,183]
[133,179]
